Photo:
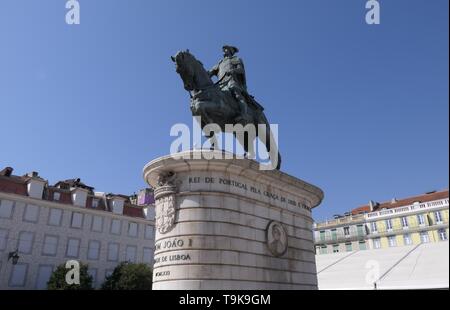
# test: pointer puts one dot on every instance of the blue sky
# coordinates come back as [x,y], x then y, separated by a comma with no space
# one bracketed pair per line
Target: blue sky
[362,110]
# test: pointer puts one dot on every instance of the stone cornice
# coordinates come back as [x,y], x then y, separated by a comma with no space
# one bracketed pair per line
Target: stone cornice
[242,167]
[50,204]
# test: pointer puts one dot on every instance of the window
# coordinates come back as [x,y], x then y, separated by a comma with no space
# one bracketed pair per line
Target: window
[392,241]
[360,230]
[132,229]
[362,245]
[93,249]
[115,227]
[147,255]
[6,208]
[424,238]
[31,214]
[348,247]
[130,254]
[97,223]
[113,252]
[389,224]
[43,275]
[54,217]
[25,244]
[73,247]
[56,196]
[421,219]
[50,245]
[334,234]
[373,226]
[94,203]
[377,243]
[322,235]
[404,222]
[335,248]
[77,220]
[442,235]
[438,217]
[323,249]
[346,231]
[3,239]
[18,275]
[407,239]
[93,273]
[149,232]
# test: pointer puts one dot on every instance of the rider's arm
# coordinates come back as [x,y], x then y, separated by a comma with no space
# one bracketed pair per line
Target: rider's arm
[214,71]
[238,67]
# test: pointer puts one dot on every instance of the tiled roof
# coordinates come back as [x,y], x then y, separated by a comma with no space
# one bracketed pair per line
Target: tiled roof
[18,185]
[404,202]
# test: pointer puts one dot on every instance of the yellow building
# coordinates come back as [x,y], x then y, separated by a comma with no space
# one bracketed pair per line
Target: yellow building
[413,220]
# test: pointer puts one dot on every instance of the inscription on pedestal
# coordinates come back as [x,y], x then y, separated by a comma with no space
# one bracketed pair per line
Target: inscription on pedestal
[246,187]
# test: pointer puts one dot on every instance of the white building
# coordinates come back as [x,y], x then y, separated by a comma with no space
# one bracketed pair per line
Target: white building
[49,225]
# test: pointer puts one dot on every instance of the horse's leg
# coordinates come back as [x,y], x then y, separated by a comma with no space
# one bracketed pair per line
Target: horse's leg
[244,140]
[212,140]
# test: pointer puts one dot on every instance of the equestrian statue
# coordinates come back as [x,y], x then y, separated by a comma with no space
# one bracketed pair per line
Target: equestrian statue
[225,101]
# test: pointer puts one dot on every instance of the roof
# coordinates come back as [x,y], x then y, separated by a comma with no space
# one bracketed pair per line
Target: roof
[404,202]
[14,184]
[407,267]
[75,183]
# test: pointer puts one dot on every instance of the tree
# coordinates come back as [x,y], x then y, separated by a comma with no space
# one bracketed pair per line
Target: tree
[129,276]
[58,279]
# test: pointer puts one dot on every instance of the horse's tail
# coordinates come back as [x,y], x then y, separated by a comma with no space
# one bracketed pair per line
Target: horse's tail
[269,140]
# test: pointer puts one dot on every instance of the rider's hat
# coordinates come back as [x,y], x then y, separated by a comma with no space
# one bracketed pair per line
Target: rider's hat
[233,49]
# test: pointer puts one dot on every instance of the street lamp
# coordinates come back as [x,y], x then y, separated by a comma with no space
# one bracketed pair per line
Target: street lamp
[15,257]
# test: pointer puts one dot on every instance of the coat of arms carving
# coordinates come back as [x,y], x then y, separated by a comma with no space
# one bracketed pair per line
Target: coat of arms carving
[165,202]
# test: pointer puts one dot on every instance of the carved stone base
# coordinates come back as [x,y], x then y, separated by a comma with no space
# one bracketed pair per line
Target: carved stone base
[225,224]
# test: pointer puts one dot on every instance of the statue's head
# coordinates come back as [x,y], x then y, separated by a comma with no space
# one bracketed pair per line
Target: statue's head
[229,50]
[276,233]
[184,62]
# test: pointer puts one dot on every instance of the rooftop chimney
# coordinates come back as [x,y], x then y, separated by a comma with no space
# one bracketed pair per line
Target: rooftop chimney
[145,197]
[7,172]
[372,205]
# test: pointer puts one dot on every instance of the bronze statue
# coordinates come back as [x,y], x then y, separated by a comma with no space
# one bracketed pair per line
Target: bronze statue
[231,74]
[226,101]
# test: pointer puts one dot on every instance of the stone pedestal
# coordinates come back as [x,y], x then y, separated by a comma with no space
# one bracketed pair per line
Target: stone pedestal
[225,224]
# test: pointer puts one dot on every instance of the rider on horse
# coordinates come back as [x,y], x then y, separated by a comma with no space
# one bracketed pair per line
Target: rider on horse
[231,74]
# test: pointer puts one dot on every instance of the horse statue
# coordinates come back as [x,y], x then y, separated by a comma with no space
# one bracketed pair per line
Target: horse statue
[218,106]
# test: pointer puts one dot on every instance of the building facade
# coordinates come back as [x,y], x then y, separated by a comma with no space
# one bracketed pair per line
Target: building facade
[45,226]
[409,221]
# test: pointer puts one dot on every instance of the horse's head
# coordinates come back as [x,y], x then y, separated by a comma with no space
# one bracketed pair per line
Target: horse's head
[185,66]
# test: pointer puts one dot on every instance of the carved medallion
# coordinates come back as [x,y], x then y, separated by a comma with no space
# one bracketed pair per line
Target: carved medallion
[277,238]
[165,202]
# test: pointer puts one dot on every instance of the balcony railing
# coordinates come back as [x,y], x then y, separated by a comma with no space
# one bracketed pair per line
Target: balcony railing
[408,229]
[343,220]
[340,237]
[410,208]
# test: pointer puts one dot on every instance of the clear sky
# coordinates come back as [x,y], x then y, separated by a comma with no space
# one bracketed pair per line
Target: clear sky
[362,110]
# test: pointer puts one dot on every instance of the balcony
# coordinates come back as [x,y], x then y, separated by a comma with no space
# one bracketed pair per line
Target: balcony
[408,229]
[352,219]
[436,204]
[340,237]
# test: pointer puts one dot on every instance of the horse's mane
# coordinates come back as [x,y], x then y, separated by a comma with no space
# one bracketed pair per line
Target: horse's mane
[193,57]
